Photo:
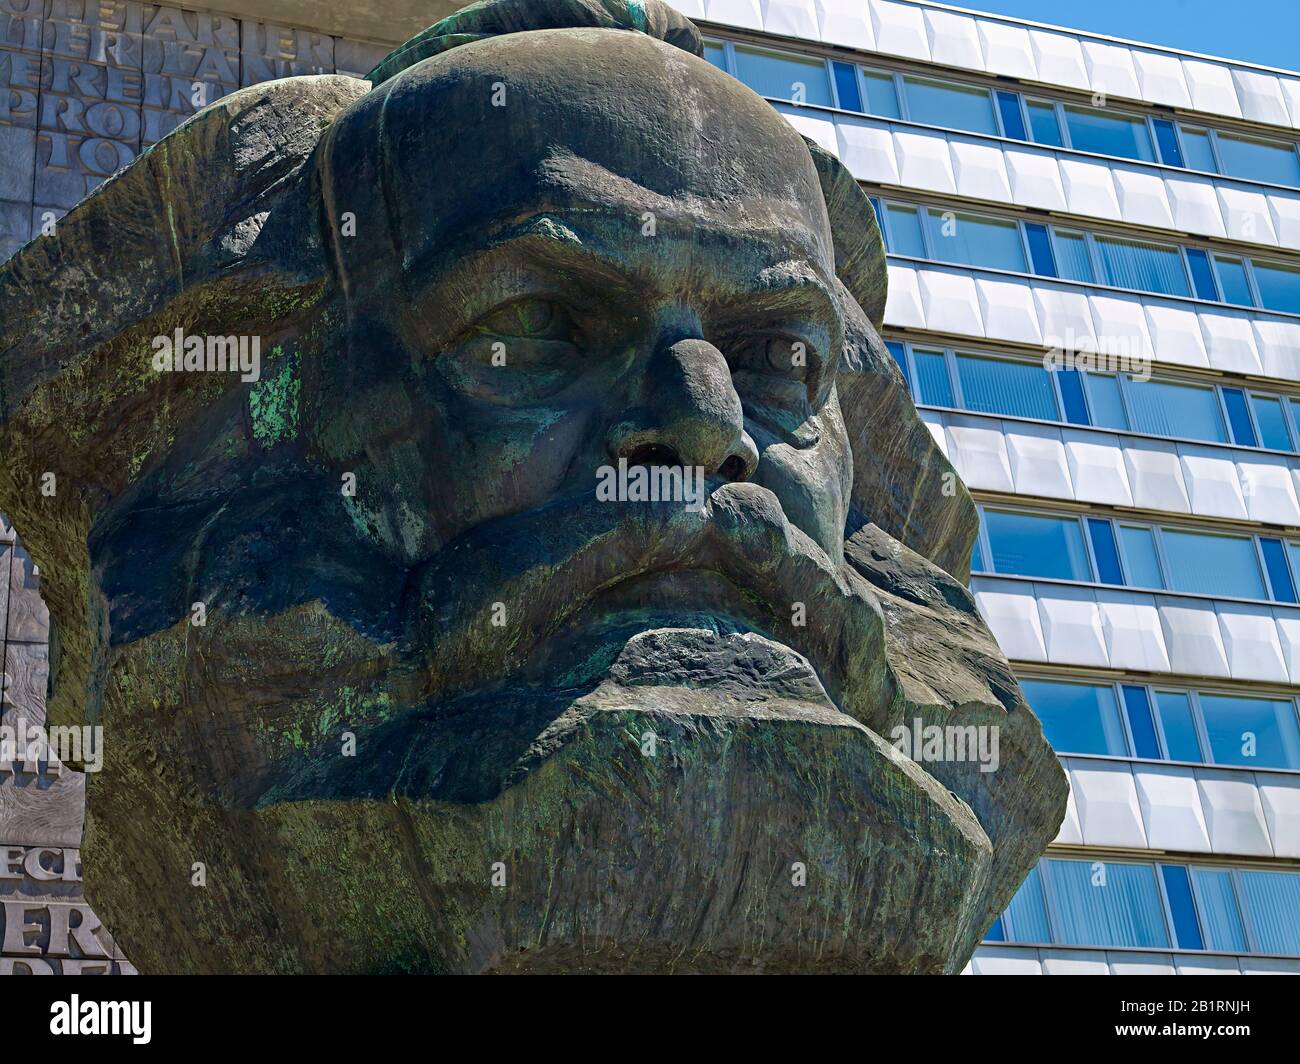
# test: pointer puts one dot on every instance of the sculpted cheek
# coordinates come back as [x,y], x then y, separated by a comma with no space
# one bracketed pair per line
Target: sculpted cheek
[810,484]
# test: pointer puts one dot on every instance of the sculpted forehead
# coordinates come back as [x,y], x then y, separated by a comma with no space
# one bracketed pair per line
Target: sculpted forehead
[488,131]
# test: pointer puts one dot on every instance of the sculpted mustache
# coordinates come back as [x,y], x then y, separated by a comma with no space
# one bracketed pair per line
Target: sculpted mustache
[533,571]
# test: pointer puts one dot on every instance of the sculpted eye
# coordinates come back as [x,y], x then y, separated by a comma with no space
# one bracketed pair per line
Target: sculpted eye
[772,355]
[529,319]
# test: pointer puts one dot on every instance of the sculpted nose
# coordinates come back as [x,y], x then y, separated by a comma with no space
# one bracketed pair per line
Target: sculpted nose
[690,415]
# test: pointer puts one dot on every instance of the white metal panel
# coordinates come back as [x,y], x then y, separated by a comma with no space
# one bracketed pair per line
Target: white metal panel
[1161,78]
[933,420]
[1260,96]
[1155,475]
[1291,94]
[1269,489]
[1107,800]
[1247,216]
[846,22]
[817,126]
[923,160]
[1007,50]
[1110,69]
[867,149]
[1195,205]
[980,171]
[1288,634]
[1285,212]
[1065,316]
[1089,188]
[1269,966]
[1070,833]
[1074,962]
[1279,347]
[1193,636]
[1230,341]
[1038,465]
[950,303]
[1060,58]
[1134,637]
[1234,813]
[1212,88]
[1007,307]
[1035,179]
[790,18]
[1071,625]
[1009,609]
[1143,197]
[979,452]
[1280,796]
[1213,487]
[1195,964]
[1123,963]
[1120,324]
[899,29]
[903,304]
[1006,960]
[1171,807]
[745,13]
[1251,641]
[954,39]
[1176,334]
[1097,467]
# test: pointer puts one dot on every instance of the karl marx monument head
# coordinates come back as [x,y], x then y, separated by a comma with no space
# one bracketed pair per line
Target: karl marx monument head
[554,597]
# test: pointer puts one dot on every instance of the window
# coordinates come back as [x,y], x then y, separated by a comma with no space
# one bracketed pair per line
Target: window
[1274,432]
[1037,545]
[1077,718]
[882,99]
[1251,732]
[1183,410]
[1141,725]
[1243,432]
[932,378]
[716,53]
[1218,904]
[1101,534]
[1259,160]
[1026,916]
[1208,564]
[904,229]
[899,354]
[1279,577]
[846,86]
[1070,381]
[1178,889]
[1112,905]
[1279,286]
[1198,262]
[1145,267]
[1140,559]
[937,103]
[1040,249]
[1171,154]
[1071,253]
[1232,281]
[1178,727]
[973,240]
[1043,123]
[784,76]
[1272,899]
[1001,386]
[1104,401]
[1198,151]
[1013,122]
[1108,133]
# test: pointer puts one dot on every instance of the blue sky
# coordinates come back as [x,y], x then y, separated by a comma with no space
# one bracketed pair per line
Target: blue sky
[1258,31]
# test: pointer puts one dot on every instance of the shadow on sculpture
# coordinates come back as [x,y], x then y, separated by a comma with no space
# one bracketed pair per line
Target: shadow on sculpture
[387,682]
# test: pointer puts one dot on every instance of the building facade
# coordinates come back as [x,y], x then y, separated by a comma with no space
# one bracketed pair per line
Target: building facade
[1094,259]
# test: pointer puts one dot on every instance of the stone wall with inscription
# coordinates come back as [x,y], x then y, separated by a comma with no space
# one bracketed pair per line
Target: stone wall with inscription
[86,85]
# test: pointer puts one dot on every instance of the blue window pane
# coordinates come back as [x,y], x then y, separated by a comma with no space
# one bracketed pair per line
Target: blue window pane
[900,356]
[1273,161]
[932,377]
[880,216]
[1178,890]
[1144,267]
[882,99]
[1184,410]
[973,240]
[1071,254]
[1202,275]
[1207,564]
[1040,249]
[1232,281]
[995,932]
[715,54]
[1220,918]
[1293,553]
[1076,410]
[1254,732]
[1102,534]
[1104,401]
[1036,545]
[1243,432]
[1272,899]
[1077,718]
[1140,724]
[1107,904]
[1013,122]
[1026,917]
[1001,386]
[1197,151]
[1279,286]
[1108,133]
[936,103]
[1181,742]
[1140,559]
[784,76]
[1043,124]
[846,86]
[1279,576]
[1167,140]
[976,557]
[1273,429]
[904,231]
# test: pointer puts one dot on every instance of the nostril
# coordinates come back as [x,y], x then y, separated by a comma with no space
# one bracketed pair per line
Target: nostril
[733,468]
[653,454]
